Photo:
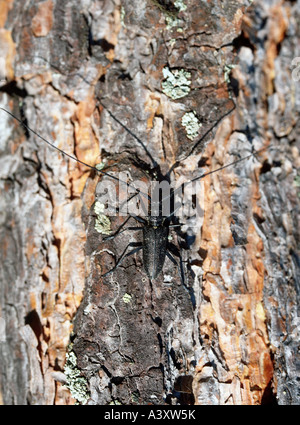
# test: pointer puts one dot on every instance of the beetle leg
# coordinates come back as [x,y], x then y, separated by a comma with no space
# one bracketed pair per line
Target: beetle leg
[137,193]
[138,246]
[107,238]
[173,248]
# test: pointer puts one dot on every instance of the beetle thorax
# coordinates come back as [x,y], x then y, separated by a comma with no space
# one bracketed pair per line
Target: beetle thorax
[156,221]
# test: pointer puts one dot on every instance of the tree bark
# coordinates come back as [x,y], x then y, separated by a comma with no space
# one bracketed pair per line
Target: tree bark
[230,333]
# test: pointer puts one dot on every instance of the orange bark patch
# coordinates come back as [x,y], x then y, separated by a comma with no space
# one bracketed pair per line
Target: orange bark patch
[43,20]
[8,52]
[237,318]
[239,322]
[277,31]
[5,7]
[87,148]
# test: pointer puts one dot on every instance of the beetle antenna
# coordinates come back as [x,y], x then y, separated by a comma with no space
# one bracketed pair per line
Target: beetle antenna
[71,156]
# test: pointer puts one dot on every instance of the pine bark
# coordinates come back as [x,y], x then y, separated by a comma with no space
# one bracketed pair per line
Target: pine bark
[230,333]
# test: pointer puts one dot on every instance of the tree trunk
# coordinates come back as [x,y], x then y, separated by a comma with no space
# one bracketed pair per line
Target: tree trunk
[199,83]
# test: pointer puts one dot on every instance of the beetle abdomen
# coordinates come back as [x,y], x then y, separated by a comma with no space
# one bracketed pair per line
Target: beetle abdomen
[154,249]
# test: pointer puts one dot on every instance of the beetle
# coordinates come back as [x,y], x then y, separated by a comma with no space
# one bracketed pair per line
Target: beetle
[155,228]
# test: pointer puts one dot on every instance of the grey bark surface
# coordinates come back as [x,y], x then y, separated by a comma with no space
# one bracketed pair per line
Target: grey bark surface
[230,333]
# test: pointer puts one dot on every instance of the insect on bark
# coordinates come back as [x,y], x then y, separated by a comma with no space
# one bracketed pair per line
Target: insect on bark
[155,224]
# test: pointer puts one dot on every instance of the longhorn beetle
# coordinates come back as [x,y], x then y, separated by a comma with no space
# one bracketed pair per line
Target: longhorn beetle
[155,245]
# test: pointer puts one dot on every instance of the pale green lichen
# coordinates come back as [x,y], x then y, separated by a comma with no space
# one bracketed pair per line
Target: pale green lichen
[76,383]
[100,166]
[171,11]
[172,42]
[227,72]
[176,83]
[122,16]
[102,222]
[115,403]
[127,298]
[172,19]
[180,5]
[191,124]
[99,208]
[172,22]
